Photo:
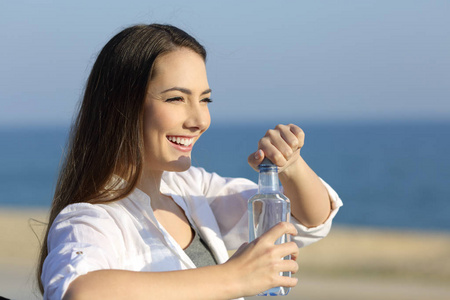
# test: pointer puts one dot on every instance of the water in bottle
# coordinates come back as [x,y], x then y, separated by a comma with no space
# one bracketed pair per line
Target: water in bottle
[266,209]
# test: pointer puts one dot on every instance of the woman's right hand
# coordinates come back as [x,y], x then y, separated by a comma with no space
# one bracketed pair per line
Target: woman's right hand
[258,264]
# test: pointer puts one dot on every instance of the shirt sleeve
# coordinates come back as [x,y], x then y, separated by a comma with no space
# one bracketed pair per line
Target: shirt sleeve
[228,200]
[79,241]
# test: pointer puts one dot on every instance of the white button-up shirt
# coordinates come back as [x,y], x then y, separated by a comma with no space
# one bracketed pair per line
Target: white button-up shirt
[125,234]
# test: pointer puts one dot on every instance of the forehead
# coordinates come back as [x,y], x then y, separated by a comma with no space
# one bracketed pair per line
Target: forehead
[178,63]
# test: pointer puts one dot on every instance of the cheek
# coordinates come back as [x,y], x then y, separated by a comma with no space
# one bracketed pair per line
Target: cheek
[159,120]
[166,121]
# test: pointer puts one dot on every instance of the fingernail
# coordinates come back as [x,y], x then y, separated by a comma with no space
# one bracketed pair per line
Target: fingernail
[258,154]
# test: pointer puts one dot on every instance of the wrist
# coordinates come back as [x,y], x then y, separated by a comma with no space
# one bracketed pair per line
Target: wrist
[293,170]
[229,280]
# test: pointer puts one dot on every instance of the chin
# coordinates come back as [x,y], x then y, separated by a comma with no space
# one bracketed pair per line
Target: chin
[180,165]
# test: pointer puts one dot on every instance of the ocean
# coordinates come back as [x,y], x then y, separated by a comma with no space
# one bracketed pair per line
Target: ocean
[391,175]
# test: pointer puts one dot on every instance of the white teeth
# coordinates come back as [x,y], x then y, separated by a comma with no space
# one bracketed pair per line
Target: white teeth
[181,141]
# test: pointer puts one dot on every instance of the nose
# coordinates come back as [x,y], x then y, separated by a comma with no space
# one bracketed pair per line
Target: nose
[198,117]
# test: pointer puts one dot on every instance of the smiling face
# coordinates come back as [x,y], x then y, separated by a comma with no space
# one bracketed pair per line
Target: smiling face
[176,110]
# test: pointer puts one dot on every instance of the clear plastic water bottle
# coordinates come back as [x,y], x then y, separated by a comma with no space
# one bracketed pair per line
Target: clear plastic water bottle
[266,209]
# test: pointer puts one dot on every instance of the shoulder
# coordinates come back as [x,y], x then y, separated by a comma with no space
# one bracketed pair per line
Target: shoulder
[85,213]
[84,237]
[84,222]
[78,209]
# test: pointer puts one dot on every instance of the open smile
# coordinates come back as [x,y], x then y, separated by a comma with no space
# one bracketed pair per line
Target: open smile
[182,143]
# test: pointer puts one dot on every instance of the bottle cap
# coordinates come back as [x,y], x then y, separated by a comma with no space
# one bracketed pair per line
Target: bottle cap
[266,163]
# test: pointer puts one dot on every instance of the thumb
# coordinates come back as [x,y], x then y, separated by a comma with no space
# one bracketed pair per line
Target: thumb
[255,159]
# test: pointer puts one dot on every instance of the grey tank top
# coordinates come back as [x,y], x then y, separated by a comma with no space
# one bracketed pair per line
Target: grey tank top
[199,252]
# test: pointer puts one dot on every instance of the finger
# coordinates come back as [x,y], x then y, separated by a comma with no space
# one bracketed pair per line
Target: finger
[266,144]
[292,135]
[285,266]
[295,267]
[289,266]
[280,138]
[279,145]
[298,133]
[284,250]
[255,159]
[286,281]
[279,230]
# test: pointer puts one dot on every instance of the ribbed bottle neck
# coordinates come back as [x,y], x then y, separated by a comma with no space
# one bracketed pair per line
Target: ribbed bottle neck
[268,179]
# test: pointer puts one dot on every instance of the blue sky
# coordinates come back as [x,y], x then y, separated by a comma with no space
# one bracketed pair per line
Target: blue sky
[288,61]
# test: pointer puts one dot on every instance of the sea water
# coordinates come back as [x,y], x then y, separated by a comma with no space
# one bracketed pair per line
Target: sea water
[391,175]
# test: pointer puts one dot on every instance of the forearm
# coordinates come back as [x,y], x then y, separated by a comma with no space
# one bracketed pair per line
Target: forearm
[212,282]
[254,267]
[310,202]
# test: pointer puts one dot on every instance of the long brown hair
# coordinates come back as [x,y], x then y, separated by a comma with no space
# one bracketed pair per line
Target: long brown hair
[106,138]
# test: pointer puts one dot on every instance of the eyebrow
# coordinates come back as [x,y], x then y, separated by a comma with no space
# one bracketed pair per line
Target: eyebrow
[185,91]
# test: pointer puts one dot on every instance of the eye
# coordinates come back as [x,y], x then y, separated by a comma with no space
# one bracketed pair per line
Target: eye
[174,99]
[206,100]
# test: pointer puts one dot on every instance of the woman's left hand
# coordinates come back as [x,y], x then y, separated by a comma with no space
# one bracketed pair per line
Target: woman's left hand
[281,145]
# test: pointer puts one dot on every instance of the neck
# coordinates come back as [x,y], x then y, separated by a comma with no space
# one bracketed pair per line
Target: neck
[268,179]
[150,184]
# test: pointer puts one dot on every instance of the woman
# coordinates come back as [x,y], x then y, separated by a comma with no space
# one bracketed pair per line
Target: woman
[129,207]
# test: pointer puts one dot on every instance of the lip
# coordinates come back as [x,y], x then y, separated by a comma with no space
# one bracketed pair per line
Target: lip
[180,147]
